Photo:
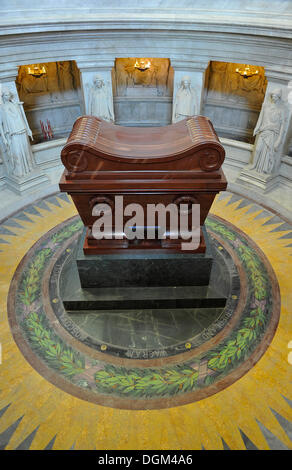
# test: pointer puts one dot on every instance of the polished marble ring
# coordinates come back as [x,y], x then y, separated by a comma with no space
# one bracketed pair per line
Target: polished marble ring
[144,359]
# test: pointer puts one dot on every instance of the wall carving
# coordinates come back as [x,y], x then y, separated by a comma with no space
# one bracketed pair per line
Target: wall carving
[233,102]
[53,96]
[100,99]
[186,101]
[142,94]
[225,83]
[159,76]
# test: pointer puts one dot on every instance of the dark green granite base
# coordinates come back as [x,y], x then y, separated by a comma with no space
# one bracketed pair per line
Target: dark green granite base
[147,269]
[110,298]
[139,281]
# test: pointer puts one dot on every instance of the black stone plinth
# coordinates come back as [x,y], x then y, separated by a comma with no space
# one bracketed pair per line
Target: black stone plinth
[76,298]
[110,291]
[147,269]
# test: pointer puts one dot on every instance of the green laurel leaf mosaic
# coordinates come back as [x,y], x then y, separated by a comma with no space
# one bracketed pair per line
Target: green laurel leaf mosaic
[143,382]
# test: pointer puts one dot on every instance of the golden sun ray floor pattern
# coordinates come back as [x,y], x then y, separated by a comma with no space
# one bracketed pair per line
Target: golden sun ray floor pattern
[255,412]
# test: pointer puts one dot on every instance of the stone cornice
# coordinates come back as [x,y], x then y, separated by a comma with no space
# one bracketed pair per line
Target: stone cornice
[99,48]
[279,29]
[282,75]
[8,75]
[238,16]
[102,65]
[189,66]
[81,33]
[189,33]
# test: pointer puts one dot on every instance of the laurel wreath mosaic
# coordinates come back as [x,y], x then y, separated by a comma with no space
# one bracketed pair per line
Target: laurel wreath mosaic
[104,378]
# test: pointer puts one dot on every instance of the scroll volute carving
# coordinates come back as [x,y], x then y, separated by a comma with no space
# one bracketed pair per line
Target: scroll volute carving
[74,161]
[211,160]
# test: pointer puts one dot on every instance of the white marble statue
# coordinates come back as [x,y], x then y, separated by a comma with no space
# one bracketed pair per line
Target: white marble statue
[14,131]
[269,129]
[100,101]
[186,101]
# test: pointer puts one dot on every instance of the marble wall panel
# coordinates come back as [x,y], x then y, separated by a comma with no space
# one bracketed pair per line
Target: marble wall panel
[143,111]
[54,96]
[233,102]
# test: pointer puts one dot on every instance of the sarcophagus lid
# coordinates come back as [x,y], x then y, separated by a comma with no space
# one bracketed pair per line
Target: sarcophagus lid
[187,150]
[175,164]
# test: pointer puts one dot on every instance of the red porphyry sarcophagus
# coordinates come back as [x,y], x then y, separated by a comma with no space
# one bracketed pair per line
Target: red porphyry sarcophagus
[179,163]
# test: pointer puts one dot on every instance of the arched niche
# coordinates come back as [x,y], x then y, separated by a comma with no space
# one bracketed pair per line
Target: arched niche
[142,91]
[233,97]
[51,98]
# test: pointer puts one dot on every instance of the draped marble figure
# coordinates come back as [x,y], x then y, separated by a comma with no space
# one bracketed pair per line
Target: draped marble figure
[14,131]
[186,101]
[269,129]
[99,100]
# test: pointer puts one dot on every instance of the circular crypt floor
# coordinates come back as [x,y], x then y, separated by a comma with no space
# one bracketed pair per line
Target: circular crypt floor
[205,364]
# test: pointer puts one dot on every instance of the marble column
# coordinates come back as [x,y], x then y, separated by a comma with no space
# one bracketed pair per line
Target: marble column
[18,176]
[88,73]
[257,176]
[196,72]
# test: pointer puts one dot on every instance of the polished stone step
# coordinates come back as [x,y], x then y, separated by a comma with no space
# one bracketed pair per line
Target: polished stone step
[77,298]
[119,296]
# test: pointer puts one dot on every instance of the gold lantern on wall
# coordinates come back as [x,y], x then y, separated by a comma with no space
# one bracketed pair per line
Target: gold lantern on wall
[36,70]
[247,71]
